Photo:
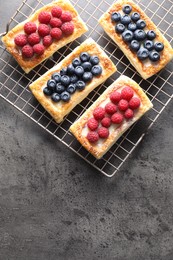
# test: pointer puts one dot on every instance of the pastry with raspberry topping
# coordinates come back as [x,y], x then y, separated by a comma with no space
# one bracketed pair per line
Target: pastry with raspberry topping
[44,32]
[122,104]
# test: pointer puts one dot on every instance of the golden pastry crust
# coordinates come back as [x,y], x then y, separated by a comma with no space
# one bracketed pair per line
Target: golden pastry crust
[99,149]
[60,109]
[28,64]
[145,70]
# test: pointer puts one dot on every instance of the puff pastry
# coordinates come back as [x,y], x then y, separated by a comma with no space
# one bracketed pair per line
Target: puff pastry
[60,109]
[28,64]
[80,127]
[145,68]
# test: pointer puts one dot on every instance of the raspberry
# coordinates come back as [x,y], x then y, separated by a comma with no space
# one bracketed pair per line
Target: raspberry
[128,113]
[99,113]
[117,118]
[115,96]
[55,22]
[44,17]
[92,136]
[30,27]
[103,132]
[123,104]
[92,124]
[106,122]
[66,17]
[127,93]
[20,40]
[38,49]
[33,39]
[67,28]
[56,11]
[56,33]
[43,30]
[110,108]
[134,103]
[27,51]
[47,40]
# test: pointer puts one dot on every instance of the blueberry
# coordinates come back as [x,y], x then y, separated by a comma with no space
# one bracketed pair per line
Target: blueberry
[151,35]
[141,24]
[87,66]
[139,35]
[59,88]
[154,56]
[127,9]
[80,85]
[76,62]
[115,17]
[149,45]
[96,70]
[119,28]
[63,71]
[158,46]
[56,76]
[87,76]
[55,97]
[51,83]
[47,91]
[65,96]
[73,79]
[135,16]
[70,69]
[134,45]
[142,53]
[125,19]
[79,71]
[94,60]
[132,27]
[71,88]
[127,36]
[84,56]
[65,80]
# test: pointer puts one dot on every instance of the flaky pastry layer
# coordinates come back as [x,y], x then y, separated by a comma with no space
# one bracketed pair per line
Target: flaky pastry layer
[60,109]
[99,149]
[145,70]
[28,64]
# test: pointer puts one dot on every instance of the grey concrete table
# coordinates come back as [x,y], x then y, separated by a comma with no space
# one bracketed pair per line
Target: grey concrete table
[54,206]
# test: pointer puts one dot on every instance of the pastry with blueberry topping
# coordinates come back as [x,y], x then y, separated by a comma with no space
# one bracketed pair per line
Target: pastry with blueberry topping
[121,104]
[44,32]
[137,36]
[61,88]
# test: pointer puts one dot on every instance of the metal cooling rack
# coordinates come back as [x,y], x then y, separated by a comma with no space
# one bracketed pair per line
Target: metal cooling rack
[159,88]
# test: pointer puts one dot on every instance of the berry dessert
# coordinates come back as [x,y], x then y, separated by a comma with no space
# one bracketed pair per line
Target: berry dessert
[137,36]
[74,78]
[122,104]
[64,86]
[47,30]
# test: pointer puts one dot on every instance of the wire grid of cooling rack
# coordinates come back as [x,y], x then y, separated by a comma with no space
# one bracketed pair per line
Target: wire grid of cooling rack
[159,88]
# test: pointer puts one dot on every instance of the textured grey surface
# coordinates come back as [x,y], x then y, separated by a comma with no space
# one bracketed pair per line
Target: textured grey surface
[55,206]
